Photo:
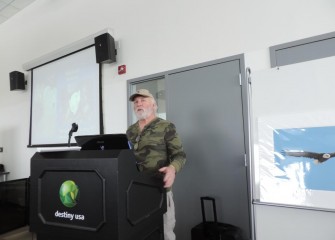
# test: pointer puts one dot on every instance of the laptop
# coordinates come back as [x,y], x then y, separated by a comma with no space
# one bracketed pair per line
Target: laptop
[103,142]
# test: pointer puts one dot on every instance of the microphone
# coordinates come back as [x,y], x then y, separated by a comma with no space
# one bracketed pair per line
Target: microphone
[73,129]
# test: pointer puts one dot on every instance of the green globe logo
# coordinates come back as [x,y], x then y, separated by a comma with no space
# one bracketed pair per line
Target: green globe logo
[68,193]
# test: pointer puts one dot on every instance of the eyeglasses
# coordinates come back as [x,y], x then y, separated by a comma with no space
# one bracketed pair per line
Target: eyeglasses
[136,143]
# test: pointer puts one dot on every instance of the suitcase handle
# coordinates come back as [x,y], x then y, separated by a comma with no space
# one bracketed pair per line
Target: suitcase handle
[203,208]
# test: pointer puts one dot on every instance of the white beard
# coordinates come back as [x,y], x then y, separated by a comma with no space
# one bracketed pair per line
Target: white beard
[144,113]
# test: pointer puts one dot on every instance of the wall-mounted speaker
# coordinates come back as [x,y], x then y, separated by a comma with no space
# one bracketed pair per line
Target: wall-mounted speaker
[17,81]
[105,48]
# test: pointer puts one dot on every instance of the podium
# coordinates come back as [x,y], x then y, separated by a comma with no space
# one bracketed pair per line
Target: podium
[100,195]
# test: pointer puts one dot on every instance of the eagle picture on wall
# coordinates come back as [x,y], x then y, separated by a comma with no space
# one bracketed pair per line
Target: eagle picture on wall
[318,157]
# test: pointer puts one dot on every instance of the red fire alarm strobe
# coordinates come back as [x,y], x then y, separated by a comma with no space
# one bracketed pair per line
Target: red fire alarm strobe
[121,69]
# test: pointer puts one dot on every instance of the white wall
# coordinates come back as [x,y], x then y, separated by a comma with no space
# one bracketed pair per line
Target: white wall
[279,223]
[154,36]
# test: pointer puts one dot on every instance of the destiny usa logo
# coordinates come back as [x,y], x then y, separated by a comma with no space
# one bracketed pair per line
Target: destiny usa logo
[69,193]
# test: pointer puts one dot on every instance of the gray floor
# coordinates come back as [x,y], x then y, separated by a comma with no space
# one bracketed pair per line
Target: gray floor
[18,234]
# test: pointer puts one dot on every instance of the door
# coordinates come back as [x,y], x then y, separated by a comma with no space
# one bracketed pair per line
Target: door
[205,103]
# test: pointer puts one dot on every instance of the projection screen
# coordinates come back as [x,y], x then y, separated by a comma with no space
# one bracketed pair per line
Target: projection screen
[65,91]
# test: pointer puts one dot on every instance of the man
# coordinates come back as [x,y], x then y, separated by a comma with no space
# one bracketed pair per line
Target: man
[157,148]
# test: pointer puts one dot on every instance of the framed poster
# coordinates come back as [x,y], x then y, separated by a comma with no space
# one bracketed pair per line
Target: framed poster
[293,129]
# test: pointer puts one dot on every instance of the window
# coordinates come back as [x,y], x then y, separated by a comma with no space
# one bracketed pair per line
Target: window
[157,88]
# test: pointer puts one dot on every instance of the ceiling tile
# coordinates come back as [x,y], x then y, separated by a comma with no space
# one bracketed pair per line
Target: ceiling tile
[9,11]
[8,8]
[21,3]
[7,1]
[2,5]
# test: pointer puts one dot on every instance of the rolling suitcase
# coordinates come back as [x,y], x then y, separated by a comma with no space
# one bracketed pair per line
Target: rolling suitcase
[214,230]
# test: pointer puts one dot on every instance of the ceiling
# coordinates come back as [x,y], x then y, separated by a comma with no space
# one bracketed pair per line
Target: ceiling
[9,8]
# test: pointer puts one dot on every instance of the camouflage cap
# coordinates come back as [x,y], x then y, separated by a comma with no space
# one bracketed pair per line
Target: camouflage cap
[141,92]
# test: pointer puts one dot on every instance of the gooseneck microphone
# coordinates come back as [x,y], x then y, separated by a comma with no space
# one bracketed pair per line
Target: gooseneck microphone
[73,129]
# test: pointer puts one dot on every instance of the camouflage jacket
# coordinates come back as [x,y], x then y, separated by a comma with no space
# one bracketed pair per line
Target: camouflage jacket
[157,145]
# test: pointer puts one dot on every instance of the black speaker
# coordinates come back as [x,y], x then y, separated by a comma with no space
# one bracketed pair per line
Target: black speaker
[17,81]
[105,48]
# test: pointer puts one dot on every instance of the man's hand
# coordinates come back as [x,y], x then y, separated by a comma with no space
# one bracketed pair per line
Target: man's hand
[169,175]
